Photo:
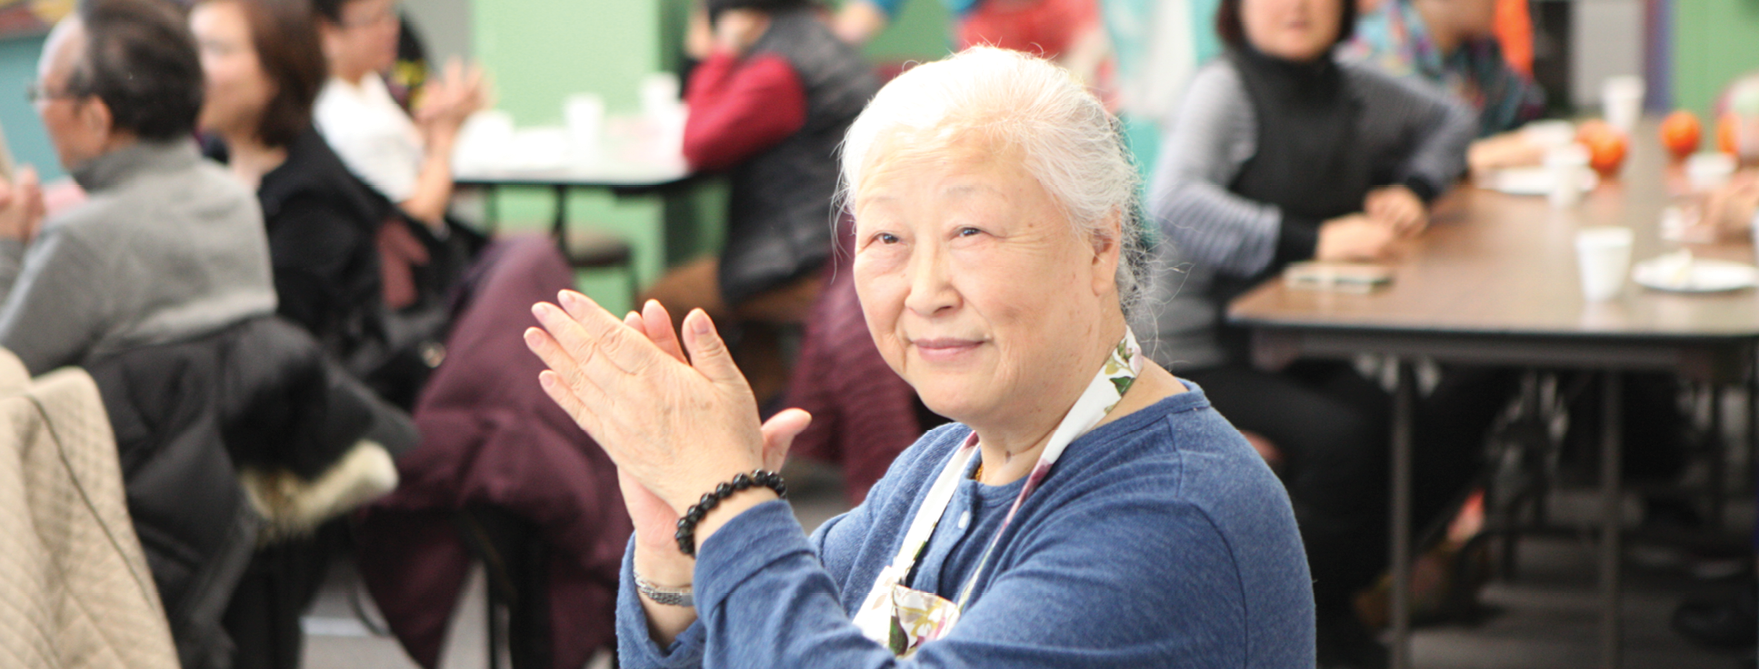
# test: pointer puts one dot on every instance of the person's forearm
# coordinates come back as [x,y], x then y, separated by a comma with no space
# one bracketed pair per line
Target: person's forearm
[11,263]
[664,621]
[432,194]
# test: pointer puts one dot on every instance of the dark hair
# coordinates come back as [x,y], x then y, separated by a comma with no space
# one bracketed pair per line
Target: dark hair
[140,59]
[1233,32]
[716,7]
[329,9]
[284,35]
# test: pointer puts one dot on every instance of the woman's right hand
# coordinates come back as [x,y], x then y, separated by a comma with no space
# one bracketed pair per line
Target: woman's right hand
[1354,237]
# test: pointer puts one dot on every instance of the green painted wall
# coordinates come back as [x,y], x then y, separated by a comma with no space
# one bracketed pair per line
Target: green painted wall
[24,131]
[1714,40]
[920,32]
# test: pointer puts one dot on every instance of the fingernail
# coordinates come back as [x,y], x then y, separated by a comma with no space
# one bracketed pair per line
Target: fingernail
[547,379]
[702,324]
[533,337]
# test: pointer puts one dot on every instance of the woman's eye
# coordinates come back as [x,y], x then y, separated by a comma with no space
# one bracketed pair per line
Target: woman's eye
[886,238]
[968,232]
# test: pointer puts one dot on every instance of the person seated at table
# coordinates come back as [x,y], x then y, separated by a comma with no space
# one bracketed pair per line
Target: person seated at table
[265,68]
[409,160]
[1088,509]
[167,246]
[1281,153]
[1454,44]
[768,107]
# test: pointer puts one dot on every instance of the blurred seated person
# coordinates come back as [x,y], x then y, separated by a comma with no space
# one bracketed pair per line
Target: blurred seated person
[408,159]
[1067,31]
[168,246]
[1281,153]
[489,438]
[1454,44]
[768,106]
[1087,510]
[264,70]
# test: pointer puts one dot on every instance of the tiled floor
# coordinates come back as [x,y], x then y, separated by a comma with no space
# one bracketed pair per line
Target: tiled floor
[1546,619]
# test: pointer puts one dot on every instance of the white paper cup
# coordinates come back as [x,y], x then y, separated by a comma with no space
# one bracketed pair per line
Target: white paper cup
[584,113]
[1621,100]
[1603,254]
[1568,166]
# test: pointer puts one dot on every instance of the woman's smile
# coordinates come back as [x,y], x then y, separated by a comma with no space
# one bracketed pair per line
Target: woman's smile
[945,349]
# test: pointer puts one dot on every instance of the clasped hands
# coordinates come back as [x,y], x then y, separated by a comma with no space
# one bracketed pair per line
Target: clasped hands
[1389,214]
[676,427]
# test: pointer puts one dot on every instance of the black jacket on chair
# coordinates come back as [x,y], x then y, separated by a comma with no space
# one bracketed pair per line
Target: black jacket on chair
[188,416]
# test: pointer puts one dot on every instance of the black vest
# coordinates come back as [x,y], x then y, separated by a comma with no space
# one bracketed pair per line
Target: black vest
[779,206]
[1307,162]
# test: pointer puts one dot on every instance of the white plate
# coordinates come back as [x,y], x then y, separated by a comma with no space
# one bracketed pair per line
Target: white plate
[1528,181]
[1701,276]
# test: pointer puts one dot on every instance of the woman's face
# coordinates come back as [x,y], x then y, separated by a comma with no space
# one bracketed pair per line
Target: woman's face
[238,89]
[365,39]
[1297,30]
[975,286]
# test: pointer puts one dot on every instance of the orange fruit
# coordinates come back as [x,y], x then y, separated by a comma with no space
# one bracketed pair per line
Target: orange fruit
[1606,150]
[1680,133]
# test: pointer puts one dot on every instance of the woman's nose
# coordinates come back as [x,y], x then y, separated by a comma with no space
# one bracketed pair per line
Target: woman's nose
[930,290]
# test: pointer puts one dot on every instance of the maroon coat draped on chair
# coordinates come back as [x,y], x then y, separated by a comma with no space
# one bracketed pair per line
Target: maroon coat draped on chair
[491,437]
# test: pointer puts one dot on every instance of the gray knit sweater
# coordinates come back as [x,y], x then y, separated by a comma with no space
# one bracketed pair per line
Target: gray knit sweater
[167,246]
[1410,130]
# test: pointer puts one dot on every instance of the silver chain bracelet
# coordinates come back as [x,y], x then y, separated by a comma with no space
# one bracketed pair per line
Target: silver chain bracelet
[667,596]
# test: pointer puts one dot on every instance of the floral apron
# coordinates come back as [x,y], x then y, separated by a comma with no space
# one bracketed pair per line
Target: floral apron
[903,619]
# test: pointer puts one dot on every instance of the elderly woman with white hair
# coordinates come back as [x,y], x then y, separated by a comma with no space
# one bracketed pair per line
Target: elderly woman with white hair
[1087,509]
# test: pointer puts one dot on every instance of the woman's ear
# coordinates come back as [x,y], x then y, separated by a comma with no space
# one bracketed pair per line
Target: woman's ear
[1107,244]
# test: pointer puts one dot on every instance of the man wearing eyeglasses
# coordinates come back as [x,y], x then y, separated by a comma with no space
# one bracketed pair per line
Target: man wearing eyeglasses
[167,246]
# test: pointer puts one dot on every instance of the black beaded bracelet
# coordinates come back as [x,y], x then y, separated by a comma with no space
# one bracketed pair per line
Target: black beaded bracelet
[686,535]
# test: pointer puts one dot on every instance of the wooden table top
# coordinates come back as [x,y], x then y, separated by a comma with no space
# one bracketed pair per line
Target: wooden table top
[1492,264]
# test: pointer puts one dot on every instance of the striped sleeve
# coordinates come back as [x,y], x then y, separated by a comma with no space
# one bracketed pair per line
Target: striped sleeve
[1208,139]
[1429,129]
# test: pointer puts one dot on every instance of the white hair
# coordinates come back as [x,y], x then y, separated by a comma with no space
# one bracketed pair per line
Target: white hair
[1070,144]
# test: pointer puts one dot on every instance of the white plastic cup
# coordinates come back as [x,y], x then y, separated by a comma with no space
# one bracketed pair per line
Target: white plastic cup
[1604,256]
[1621,100]
[1709,170]
[659,94]
[584,114]
[1568,166]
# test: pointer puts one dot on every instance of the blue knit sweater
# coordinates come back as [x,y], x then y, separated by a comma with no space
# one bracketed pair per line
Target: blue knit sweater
[1158,540]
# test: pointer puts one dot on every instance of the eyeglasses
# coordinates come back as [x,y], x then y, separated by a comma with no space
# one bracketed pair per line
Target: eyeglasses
[37,91]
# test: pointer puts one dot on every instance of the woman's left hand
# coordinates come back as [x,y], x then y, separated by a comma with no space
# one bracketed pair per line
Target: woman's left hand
[1397,206]
[677,429]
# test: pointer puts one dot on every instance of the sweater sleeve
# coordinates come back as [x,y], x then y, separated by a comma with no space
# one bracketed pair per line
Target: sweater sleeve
[1208,140]
[1435,127]
[739,108]
[1124,581]
[55,310]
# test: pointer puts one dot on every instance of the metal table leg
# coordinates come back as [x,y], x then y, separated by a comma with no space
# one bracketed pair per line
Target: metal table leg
[1611,517]
[1403,412]
[1718,461]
